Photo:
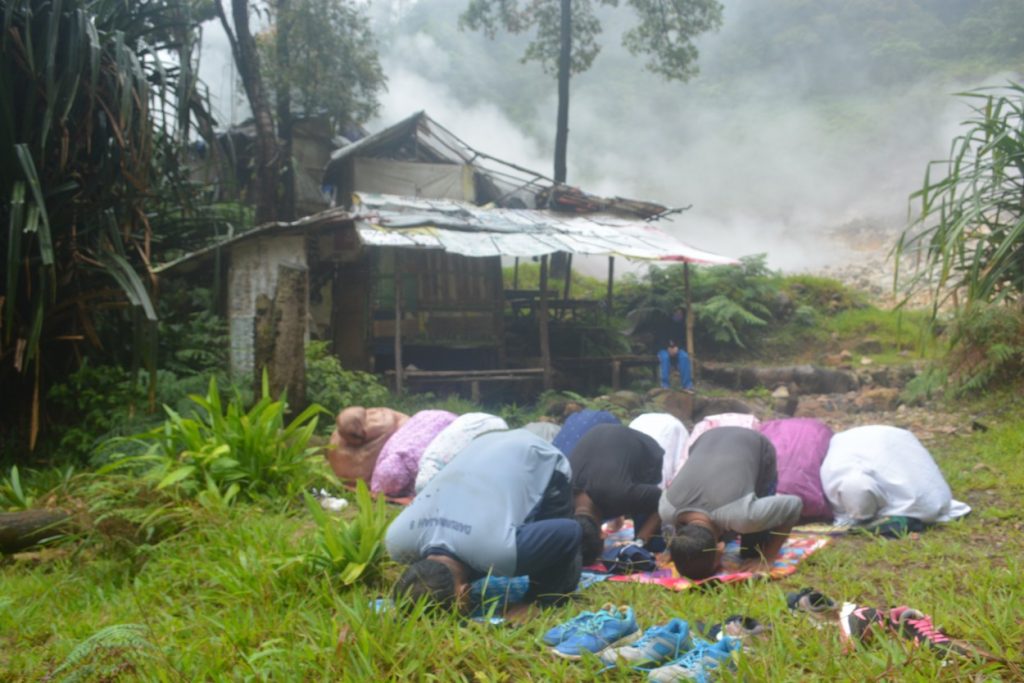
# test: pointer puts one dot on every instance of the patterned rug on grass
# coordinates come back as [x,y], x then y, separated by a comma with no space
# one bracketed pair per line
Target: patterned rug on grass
[797,549]
[489,591]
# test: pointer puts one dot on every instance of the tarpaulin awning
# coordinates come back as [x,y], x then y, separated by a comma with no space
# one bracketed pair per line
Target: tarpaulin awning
[468,230]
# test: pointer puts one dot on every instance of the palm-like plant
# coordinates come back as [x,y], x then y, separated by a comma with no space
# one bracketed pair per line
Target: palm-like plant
[969,229]
[92,115]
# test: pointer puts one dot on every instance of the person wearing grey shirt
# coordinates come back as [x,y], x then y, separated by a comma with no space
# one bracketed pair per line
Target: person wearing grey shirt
[726,486]
[503,506]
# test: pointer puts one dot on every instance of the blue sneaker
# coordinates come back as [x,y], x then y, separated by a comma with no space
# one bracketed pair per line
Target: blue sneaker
[659,644]
[605,630]
[698,664]
[563,632]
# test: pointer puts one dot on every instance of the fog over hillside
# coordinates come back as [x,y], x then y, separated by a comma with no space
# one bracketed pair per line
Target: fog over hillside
[783,138]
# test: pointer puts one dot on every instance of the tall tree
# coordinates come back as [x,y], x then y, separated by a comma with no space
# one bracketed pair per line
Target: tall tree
[565,41]
[320,58]
[247,59]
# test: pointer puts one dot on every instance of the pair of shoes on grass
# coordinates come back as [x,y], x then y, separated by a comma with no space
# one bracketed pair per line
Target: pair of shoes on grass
[859,624]
[666,652]
[593,632]
[669,653]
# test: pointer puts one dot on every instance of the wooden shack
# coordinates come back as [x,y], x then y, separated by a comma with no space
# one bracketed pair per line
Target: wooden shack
[403,273]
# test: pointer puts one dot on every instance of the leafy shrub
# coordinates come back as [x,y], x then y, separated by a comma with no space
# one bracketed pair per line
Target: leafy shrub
[17,493]
[351,550]
[330,385]
[932,383]
[987,347]
[226,451]
[13,496]
[731,303]
[94,402]
[192,339]
[822,293]
[805,316]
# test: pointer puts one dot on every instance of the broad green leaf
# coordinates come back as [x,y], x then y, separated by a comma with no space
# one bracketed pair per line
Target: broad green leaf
[176,476]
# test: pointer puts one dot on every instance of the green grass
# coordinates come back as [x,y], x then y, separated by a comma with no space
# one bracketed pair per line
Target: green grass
[228,597]
[900,336]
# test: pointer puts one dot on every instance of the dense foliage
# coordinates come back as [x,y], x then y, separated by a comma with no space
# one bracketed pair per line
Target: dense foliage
[970,224]
[828,43]
[332,67]
[334,387]
[93,114]
[733,305]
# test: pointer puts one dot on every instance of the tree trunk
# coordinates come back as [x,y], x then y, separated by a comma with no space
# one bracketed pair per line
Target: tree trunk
[243,46]
[20,530]
[286,209]
[564,65]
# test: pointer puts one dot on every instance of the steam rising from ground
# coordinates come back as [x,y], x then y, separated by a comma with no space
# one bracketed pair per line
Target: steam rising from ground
[768,164]
[768,161]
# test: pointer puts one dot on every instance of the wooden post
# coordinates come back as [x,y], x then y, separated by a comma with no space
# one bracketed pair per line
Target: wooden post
[499,309]
[611,280]
[515,274]
[542,321]
[568,276]
[616,374]
[398,325]
[474,391]
[689,320]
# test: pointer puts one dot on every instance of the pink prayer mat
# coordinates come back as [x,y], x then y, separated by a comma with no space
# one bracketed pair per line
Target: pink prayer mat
[796,550]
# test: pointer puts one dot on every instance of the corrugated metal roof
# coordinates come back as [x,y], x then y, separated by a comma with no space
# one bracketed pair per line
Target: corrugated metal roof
[474,231]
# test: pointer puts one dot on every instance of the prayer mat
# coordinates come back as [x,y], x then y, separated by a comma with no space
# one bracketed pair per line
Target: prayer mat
[890,526]
[796,550]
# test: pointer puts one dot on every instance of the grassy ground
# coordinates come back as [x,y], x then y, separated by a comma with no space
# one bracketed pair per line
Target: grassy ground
[226,597]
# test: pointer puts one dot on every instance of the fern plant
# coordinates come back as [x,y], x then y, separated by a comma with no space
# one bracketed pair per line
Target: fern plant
[727,321]
[351,550]
[107,655]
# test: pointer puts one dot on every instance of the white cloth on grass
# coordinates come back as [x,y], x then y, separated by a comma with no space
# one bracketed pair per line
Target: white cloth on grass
[879,471]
